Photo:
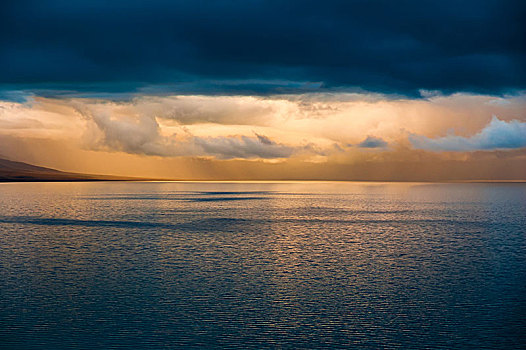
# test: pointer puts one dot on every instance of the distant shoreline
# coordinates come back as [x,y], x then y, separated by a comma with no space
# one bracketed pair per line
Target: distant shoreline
[14,171]
[41,180]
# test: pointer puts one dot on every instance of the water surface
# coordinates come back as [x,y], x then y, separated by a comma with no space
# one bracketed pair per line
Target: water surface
[262,265]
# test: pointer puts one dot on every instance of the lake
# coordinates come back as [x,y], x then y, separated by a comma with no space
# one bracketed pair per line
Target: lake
[163,265]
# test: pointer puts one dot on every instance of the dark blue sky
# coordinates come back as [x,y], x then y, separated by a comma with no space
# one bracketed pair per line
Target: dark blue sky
[260,47]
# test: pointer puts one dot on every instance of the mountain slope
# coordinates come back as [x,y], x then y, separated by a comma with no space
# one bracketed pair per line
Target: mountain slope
[18,171]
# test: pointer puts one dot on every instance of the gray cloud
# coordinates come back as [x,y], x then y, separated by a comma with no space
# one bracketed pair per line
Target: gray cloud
[264,139]
[498,134]
[372,142]
[243,147]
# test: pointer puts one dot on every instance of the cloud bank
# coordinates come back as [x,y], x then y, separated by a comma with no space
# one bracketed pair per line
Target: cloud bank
[341,128]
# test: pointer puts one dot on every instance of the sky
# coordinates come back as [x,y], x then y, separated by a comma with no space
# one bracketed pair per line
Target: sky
[255,90]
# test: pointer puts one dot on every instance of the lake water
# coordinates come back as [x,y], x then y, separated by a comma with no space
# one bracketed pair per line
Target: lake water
[262,265]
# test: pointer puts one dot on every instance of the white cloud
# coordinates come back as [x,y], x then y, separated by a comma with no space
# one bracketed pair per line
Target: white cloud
[498,134]
[140,134]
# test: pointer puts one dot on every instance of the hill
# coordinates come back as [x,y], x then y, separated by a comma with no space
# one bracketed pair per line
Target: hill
[18,171]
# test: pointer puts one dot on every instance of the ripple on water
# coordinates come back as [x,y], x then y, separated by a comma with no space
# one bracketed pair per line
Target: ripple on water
[290,265]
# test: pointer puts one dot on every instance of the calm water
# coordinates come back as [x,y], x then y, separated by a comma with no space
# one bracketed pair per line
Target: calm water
[262,265]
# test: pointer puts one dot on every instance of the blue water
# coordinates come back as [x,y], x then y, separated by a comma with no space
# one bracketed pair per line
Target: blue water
[262,265]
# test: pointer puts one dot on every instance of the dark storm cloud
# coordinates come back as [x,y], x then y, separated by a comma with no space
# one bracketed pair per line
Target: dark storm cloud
[259,47]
